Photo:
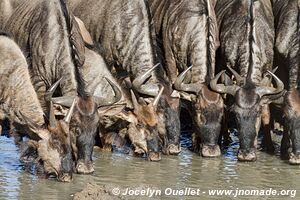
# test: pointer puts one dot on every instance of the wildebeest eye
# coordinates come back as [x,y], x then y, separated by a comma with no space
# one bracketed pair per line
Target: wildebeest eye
[76,131]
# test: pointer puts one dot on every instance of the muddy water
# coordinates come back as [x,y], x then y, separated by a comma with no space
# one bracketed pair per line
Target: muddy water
[176,172]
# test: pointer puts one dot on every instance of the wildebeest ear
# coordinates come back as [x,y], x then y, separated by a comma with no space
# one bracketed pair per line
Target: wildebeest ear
[175,94]
[275,99]
[26,120]
[142,101]
[35,133]
[187,96]
[227,79]
[111,110]
[84,32]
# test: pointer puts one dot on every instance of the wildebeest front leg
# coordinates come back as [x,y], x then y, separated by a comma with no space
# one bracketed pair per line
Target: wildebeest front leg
[285,143]
[195,143]
[267,139]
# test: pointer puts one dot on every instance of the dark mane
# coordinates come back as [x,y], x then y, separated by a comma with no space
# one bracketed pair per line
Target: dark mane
[251,38]
[157,51]
[210,45]
[78,63]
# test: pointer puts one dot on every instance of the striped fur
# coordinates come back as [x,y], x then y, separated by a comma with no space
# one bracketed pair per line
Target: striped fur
[122,28]
[287,57]
[182,25]
[287,44]
[6,10]
[19,103]
[47,39]
[187,34]
[77,45]
[247,36]
[16,91]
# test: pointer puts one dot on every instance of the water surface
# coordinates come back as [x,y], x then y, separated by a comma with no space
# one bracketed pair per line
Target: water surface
[177,172]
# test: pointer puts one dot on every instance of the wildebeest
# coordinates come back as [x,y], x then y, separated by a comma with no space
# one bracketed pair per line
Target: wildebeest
[19,104]
[246,48]
[188,36]
[50,38]
[137,119]
[122,29]
[287,55]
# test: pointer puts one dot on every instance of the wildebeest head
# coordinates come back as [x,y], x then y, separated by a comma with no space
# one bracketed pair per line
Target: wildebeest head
[167,111]
[84,125]
[54,143]
[143,130]
[248,100]
[207,112]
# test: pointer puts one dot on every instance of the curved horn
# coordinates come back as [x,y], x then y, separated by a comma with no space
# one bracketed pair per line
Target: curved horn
[70,113]
[266,80]
[48,95]
[262,91]
[221,88]
[134,100]
[48,98]
[138,82]
[157,98]
[238,77]
[103,101]
[64,101]
[192,87]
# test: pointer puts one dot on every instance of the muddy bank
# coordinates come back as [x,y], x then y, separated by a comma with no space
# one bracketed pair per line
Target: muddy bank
[94,191]
[111,192]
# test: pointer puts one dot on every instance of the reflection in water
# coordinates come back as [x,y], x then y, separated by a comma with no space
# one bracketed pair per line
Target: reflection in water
[10,169]
[178,172]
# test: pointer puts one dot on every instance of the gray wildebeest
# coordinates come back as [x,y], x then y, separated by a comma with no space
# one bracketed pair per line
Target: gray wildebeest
[50,38]
[246,48]
[19,104]
[127,119]
[122,29]
[188,35]
[287,55]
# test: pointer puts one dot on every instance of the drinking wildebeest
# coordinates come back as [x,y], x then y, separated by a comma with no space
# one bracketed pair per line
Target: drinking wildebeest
[188,34]
[246,48]
[287,54]
[50,38]
[136,119]
[19,104]
[122,29]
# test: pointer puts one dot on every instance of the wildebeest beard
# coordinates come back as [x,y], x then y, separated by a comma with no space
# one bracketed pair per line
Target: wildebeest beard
[171,123]
[247,109]
[153,141]
[84,127]
[207,118]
